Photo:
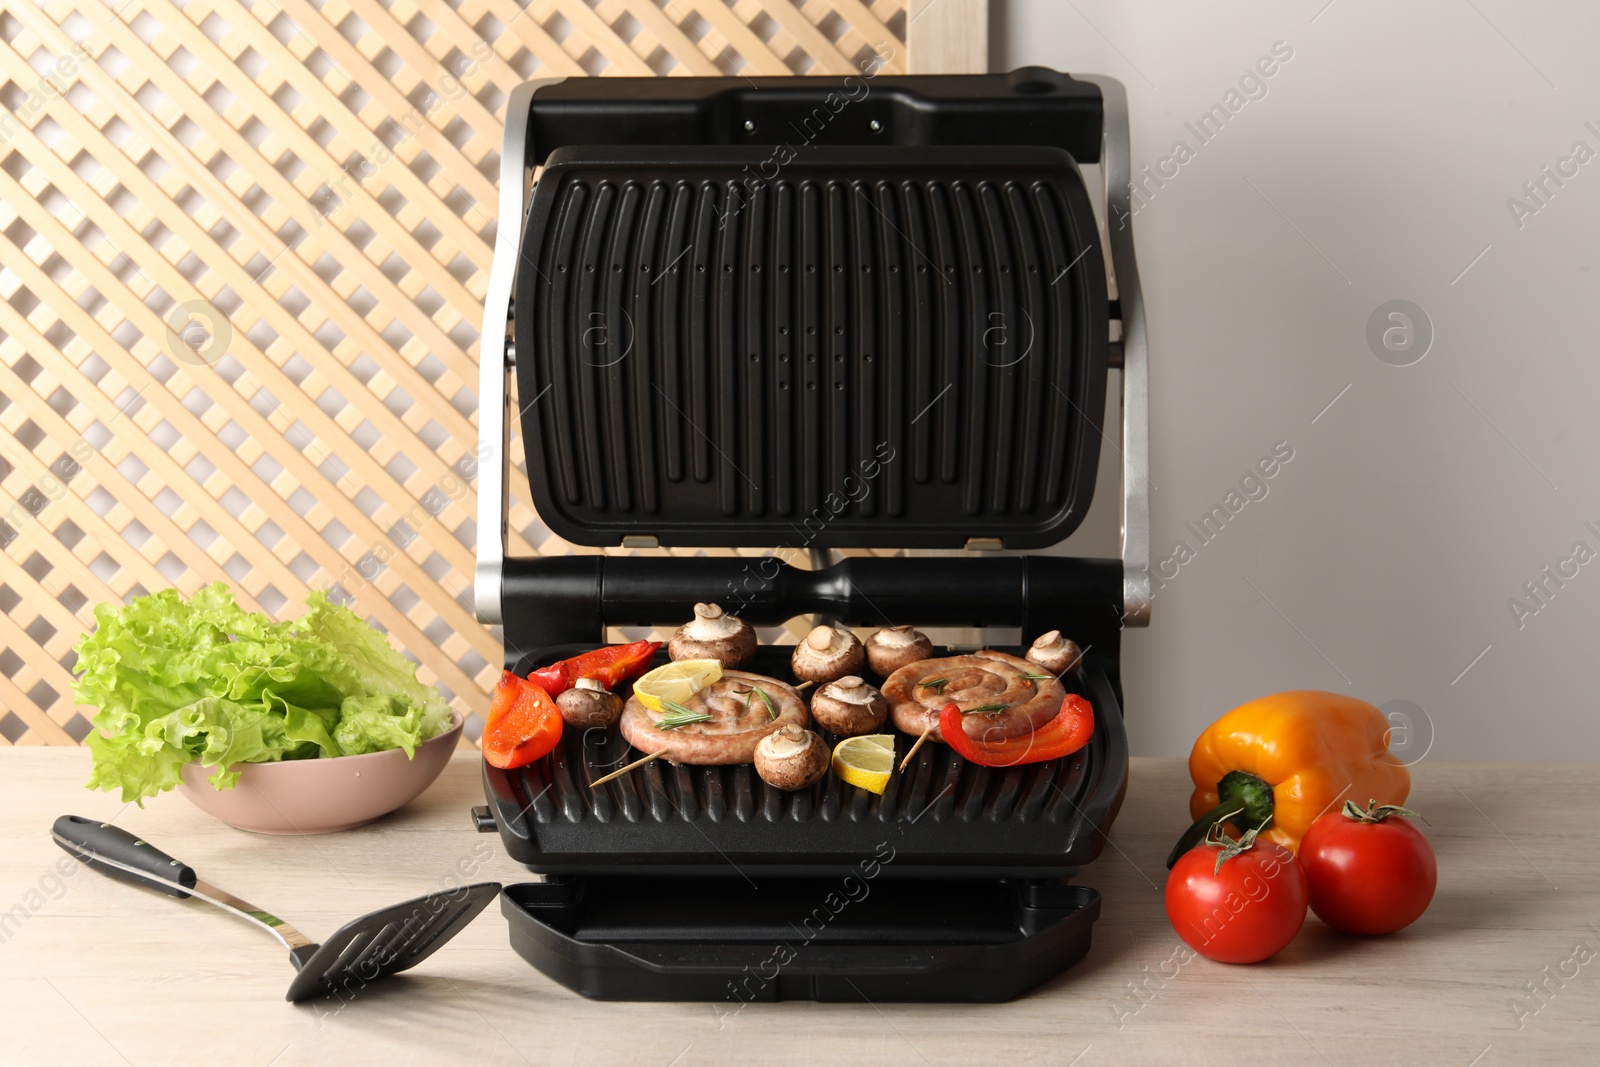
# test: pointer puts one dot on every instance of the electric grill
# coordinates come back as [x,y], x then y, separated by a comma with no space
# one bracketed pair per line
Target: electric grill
[811,313]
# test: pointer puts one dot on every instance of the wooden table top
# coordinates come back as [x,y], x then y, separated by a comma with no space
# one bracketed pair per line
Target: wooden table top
[1504,968]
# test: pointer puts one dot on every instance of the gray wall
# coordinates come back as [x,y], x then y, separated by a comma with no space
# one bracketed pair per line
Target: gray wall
[1379,163]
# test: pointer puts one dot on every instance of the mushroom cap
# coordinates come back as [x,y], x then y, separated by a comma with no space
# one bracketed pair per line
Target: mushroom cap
[828,653]
[891,648]
[714,634]
[849,706]
[588,705]
[1055,653]
[791,758]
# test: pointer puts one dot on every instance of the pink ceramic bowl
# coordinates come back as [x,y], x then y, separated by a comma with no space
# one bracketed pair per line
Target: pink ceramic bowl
[319,796]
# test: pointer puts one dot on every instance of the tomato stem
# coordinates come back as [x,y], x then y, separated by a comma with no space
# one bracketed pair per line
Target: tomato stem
[1227,848]
[1376,812]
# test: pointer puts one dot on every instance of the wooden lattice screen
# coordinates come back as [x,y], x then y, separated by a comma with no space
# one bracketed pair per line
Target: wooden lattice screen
[245,246]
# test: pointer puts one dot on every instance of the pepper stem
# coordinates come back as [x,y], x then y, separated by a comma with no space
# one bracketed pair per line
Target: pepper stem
[1198,830]
[1244,799]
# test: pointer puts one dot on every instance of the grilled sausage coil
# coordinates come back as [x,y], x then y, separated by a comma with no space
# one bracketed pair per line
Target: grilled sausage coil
[916,696]
[739,720]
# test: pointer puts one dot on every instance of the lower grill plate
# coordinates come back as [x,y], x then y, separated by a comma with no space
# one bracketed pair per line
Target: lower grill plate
[943,816]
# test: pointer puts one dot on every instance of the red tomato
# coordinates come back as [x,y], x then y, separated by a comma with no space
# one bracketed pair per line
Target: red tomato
[1246,911]
[1369,874]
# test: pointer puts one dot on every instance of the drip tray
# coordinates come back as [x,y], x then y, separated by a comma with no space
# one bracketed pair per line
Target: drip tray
[860,937]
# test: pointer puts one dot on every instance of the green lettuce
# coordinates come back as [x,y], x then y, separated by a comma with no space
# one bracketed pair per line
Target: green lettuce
[203,681]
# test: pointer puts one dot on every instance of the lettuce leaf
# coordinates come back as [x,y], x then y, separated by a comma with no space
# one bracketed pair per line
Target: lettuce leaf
[374,723]
[203,681]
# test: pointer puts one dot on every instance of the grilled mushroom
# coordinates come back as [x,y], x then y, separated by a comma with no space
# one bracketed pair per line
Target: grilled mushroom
[827,654]
[791,758]
[849,707]
[589,704]
[1055,653]
[890,649]
[712,634]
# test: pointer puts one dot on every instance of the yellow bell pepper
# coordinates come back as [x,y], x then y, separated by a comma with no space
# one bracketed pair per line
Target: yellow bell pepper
[1277,763]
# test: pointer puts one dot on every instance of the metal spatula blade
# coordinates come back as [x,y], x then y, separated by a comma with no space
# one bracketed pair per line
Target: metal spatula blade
[360,952]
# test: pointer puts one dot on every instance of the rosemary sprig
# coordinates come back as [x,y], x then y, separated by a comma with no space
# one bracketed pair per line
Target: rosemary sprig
[1031,677]
[982,708]
[772,709]
[937,685]
[677,715]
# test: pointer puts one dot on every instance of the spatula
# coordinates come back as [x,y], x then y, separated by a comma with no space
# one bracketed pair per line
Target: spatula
[360,952]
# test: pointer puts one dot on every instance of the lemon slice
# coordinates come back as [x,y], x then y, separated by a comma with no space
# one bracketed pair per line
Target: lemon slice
[865,761]
[677,682]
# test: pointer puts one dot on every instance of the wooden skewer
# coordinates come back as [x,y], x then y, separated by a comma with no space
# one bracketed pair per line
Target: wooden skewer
[620,771]
[803,686]
[907,761]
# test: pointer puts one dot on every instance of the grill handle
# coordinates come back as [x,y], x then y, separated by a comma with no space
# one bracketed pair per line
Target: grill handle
[571,599]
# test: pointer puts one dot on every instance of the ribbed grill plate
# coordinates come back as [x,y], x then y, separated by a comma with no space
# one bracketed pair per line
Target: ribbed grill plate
[942,816]
[858,347]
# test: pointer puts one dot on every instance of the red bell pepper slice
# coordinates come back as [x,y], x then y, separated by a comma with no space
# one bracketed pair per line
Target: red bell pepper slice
[552,679]
[612,665]
[1063,735]
[609,666]
[524,723]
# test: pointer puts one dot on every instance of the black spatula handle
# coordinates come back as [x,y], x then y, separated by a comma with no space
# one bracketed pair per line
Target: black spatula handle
[91,840]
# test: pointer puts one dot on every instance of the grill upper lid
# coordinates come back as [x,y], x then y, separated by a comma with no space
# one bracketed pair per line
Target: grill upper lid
[820,347]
